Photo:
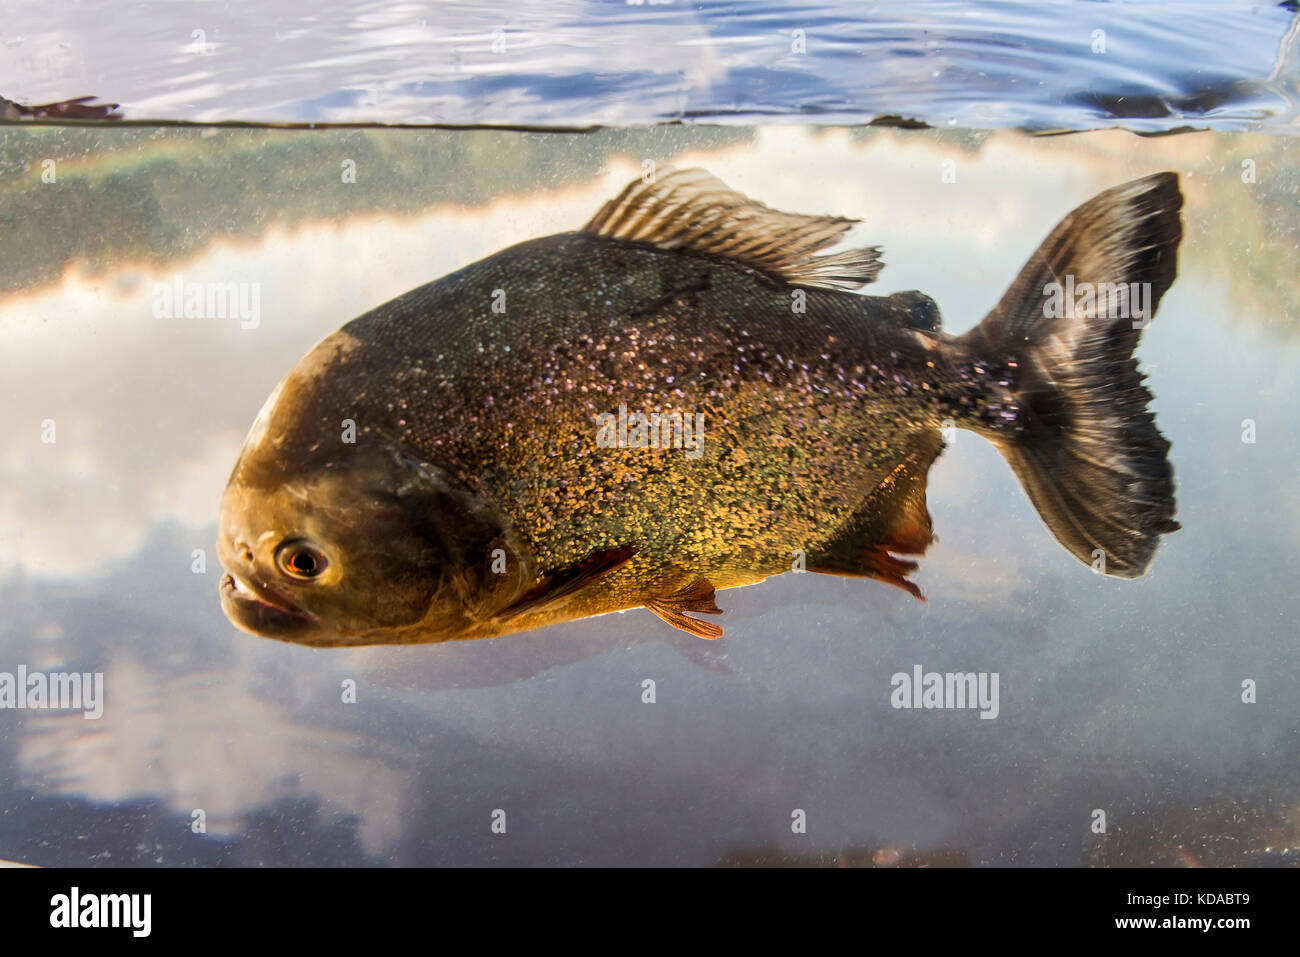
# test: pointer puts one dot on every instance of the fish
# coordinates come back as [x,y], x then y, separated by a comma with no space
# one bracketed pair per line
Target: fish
[690,393]
[82,108]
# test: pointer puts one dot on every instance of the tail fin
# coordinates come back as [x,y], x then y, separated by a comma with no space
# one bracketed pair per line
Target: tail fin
[1086,450]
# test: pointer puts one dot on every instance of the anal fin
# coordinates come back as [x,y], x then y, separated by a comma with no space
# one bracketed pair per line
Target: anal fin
[873,561]
[696,597]
[893,518]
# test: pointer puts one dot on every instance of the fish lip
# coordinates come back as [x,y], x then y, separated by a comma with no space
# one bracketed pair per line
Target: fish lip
[259,610]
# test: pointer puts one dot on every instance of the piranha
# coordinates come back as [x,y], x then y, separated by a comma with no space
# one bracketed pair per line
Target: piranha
[687,395]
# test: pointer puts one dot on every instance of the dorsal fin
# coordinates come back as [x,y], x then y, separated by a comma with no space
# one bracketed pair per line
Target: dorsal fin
[693,210]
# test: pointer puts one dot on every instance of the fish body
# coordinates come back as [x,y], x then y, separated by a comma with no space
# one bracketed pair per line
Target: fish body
[82,108]
[680,398]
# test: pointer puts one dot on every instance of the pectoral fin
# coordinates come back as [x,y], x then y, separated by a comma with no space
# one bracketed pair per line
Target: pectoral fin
[563,583]
[892,519]
[697,597]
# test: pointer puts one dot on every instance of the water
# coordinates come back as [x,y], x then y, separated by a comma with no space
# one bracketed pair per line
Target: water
[1150,66]
[1115,695]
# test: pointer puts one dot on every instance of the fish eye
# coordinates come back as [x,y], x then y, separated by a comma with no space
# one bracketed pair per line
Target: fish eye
[300,560]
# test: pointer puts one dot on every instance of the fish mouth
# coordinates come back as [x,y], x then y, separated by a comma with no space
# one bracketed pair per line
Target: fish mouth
[259,612]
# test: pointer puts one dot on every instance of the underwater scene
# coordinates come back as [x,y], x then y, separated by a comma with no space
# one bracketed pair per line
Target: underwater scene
[888,483]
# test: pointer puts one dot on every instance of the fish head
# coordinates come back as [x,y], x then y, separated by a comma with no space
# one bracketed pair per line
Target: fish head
[330,558]
[329,543]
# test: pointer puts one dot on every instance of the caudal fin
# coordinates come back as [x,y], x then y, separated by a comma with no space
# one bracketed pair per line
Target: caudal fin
[1086,449]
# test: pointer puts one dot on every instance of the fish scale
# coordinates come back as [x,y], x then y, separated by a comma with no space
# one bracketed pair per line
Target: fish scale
[691,516]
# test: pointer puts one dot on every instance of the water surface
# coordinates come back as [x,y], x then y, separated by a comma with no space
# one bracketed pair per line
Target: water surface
[1155,65]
